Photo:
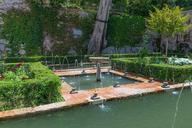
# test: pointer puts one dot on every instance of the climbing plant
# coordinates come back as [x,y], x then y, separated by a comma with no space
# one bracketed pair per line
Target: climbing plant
[22,28]
[60,17]
[125,30]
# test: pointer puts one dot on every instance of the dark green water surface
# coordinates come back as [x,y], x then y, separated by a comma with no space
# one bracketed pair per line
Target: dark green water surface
[153,111]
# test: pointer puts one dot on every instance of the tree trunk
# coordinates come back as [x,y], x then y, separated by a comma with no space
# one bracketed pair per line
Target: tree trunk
[167,46]
[98,37]
[164,44]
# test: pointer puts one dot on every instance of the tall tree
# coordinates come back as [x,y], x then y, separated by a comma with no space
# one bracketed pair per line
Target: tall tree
[98,37]
[168,22]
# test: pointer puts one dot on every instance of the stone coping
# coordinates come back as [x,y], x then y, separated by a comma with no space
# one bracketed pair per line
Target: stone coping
[74,72]
[80,98]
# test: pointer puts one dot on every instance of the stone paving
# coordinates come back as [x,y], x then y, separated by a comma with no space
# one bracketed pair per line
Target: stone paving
[81,98]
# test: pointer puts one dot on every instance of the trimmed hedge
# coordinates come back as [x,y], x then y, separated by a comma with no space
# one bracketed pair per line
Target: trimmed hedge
[70,59]
[130,55]
[159,71]
[50,59]
[42,88]
[125,30]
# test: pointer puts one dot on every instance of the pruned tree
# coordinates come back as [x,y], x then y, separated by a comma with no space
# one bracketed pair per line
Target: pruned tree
[98,37]
[168,22]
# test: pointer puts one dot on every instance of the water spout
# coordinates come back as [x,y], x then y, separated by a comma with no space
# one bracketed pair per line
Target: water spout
[65,59]
[76,63]
[177,107]
[191,88]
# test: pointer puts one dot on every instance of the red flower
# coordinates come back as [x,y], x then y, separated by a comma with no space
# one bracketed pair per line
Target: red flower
[18,65]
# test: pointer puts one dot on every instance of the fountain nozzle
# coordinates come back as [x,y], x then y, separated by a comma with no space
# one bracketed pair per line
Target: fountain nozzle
[151,80]
[95,97]
[126,73]
[116,85]
[83,72]
[73,91]
[165,85]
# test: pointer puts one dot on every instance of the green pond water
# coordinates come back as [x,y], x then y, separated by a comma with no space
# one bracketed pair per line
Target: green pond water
[152,111]
[88,81]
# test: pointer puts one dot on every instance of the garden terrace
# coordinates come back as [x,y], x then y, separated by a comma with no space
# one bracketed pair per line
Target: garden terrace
[27,84]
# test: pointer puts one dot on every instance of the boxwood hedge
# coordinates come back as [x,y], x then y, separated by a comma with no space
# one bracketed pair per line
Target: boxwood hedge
[49,59]
[42,88]
[69,58]
[152,67]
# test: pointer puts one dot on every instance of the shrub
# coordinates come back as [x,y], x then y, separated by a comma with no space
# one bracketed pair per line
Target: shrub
[125,30]
[51,59]
[22,28]
[42,88]
[131,55]
[159,71]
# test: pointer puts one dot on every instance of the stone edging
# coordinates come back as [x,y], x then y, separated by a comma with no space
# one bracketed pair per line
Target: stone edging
[16,113]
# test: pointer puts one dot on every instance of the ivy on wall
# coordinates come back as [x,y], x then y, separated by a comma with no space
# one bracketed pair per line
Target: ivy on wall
[143,7]
[28,27]
[125,30]
[66,40]
[22,28]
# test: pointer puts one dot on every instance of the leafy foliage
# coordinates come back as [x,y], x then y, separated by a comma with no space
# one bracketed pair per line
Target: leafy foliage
[28,27]
[159,71]
[140,7]
[22,28]
[143,7]
[184,3]
[125,30]
[168,21]
[40,87]
[18,74]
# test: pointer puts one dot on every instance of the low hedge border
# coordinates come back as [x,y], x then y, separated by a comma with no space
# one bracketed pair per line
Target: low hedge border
[43,88]
[68,59]
[131,55]
[49,59]
[163,72]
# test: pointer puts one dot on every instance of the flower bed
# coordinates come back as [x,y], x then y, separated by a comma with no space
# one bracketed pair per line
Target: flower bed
[29,84]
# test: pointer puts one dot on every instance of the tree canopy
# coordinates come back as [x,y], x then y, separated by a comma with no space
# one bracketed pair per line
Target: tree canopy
[168,22]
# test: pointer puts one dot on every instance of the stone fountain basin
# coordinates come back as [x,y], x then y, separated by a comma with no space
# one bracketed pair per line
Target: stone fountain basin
[88,81]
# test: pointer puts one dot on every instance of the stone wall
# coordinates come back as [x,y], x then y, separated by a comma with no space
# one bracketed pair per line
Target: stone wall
[6,5]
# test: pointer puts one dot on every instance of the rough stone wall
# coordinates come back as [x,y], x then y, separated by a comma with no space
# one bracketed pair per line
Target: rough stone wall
[6,5]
